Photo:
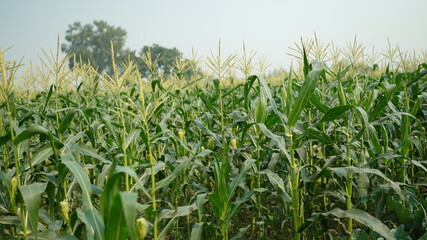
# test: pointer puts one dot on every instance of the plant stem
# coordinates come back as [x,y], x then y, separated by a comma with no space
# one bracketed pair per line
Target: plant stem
[295,192]
[349,184]
[153,192]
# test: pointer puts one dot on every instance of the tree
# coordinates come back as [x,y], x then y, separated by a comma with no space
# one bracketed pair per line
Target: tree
[166,58]
[91,43]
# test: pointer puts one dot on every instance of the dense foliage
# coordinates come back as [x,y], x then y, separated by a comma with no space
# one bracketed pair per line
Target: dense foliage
[329,153]
[90,43]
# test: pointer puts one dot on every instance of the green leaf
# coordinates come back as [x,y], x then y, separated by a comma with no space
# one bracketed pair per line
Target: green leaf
[236,206]
[408,215]
[111,189]
[65,236]
[206,130]
[4,139]
[204,153]
[65,122]
[92,215]
[46,235]
[318,135]
[335,113]
[89,151]
[29,132]
[359,234]
[400,234]
[196,231]
[382,102]
[424,236]
[31,194]
[200,201]
[418,77]
[10,220]
[42,154]
[175,173]
[49,235]
[267,91]
[246,89]
[93,221]
[320,106]
[344,171]
[278,184]
[278,139]
[81,177]
[240,233]
[420,165]
[307,67]
[364,218]
[130,137]
[341,95]
[239,178]
[374,139]
[11,104]
[174,215]
[304,96]
[128,202]
[49,95]
[208,104]
[178,212]
[120,222]
[167,229]
[139,185]
[364,115]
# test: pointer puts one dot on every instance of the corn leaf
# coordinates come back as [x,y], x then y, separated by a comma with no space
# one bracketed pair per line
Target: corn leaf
[31,194]
[93,217]
[196,231]
[364,218]
[344,171]
[335,113]
[304,96]
[65,122]
[29,132]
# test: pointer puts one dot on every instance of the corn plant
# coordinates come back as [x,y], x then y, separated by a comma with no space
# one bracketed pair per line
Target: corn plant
[332,148]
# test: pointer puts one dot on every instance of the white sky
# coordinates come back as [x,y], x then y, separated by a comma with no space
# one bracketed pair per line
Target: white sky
[268,27]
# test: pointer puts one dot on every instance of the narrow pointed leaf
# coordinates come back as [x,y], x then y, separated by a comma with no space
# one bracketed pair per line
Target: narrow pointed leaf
[92,215]
[41,155]
[175,173]
[277,183]
[344,171]
[29,132]
[239,178]
[128,202]
[196,231]
[318,135]
[364,218]
[31,194]
[65,122]
[206,130]
[267,91]
[335,113]
[278,139]
[320,106]
[382,102]
[304,96]
[131,136]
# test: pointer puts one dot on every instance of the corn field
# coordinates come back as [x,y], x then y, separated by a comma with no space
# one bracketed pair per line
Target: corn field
[335,149]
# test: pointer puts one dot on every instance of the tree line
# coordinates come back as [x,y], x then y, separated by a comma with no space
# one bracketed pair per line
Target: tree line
[91,43]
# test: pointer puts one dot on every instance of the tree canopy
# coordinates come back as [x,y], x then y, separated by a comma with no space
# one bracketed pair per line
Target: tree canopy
[91,43]
[165,56]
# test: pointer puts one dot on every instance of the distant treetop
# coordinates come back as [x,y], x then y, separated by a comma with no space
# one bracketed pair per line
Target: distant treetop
[90,43]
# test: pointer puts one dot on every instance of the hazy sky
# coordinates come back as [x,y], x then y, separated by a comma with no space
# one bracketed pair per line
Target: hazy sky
[269,27]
